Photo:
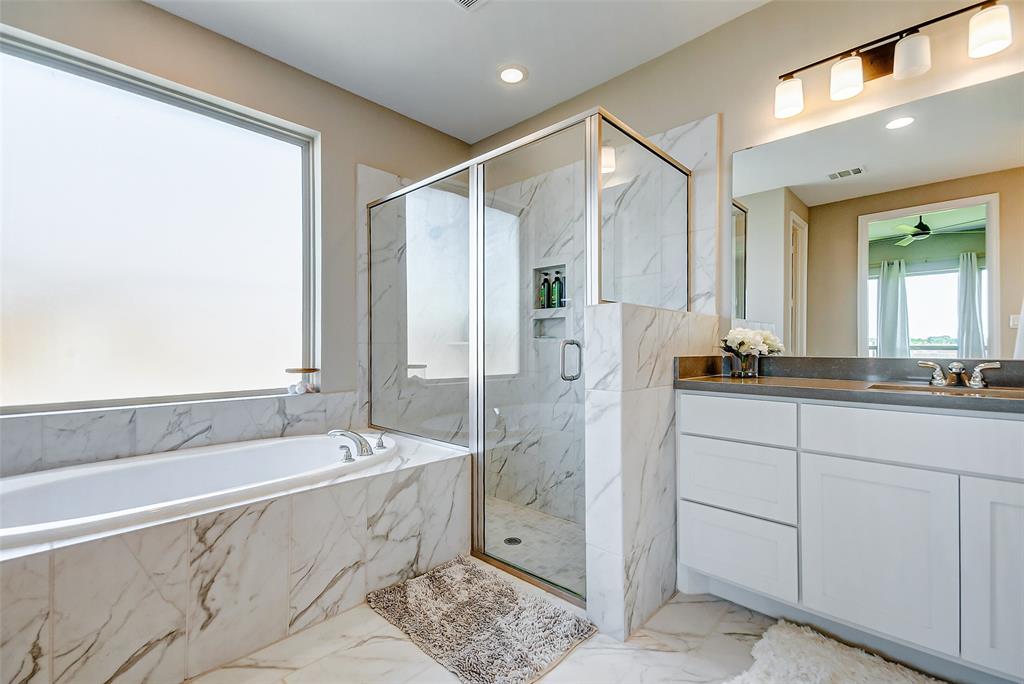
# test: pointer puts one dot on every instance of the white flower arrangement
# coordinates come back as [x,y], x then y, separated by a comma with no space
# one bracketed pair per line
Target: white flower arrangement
[746,342]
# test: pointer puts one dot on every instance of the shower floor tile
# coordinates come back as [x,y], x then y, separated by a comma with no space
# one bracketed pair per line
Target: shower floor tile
[552,548]
[693,638]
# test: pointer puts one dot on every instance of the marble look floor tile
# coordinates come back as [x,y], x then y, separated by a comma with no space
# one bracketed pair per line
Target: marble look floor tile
[552,548]
[25,620]
[692,639]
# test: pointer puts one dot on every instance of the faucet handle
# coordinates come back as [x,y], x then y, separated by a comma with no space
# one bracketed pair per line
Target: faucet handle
[938,379]
[956,367]
[977,380]
[346,454]
[380,441]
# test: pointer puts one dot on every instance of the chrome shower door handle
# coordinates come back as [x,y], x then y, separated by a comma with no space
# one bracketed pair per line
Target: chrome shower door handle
[579,360]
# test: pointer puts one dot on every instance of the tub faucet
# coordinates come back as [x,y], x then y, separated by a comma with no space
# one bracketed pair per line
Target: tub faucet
[364,447]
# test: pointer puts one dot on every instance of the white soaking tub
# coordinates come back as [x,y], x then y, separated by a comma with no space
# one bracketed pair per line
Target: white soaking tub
[64,505]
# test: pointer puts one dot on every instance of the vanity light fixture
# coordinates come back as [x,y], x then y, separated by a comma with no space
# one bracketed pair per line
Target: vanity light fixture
[607,159]
[913,56]
[901,122]
[846,78]
[904,54]
[512,74]
[990,31]
[789,97]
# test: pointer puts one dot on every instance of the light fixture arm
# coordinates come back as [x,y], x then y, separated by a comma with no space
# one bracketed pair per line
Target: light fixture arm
[887,39]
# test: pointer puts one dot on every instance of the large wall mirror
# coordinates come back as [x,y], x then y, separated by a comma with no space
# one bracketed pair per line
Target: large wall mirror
[896,234]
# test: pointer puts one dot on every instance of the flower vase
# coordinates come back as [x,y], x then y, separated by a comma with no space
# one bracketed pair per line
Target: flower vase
[744,366]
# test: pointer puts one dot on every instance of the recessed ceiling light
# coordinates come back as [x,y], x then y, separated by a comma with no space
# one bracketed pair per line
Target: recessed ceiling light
[512,74]
[900,122]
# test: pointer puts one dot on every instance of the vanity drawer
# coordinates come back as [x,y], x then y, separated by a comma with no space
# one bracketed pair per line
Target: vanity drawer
[752,553]
[986,446]
[743,477]
[753,420]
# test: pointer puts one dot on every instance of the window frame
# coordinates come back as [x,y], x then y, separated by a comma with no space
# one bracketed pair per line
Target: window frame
[49,53]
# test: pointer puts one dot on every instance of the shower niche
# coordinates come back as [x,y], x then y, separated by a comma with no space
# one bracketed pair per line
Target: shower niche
[507,366]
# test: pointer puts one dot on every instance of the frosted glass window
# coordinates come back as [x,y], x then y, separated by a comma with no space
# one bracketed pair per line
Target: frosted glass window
[148,249]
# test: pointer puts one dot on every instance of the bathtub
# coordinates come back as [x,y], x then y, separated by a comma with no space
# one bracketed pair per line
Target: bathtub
[53,507]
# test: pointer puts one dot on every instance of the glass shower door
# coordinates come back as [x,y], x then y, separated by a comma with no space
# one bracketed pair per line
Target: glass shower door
[533,280]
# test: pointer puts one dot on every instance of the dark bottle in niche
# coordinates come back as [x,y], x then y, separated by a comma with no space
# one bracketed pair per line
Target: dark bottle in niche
[544,293]
[557,291]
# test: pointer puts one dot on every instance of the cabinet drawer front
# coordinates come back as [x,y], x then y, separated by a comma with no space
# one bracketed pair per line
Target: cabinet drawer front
[987,446]
[749,552]
[880,548]
[744,477]
[753,420]
[992,573]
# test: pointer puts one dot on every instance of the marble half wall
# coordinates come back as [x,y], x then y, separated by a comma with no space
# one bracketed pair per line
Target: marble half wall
[630,474]
[169,602]
[41,441]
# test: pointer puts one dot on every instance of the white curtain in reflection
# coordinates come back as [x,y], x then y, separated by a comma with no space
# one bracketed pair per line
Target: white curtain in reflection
[969,332]
[893,326]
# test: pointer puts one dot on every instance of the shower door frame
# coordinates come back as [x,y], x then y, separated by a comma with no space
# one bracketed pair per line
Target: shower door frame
[594,120]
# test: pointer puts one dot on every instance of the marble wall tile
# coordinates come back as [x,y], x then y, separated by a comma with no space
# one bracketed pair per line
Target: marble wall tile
[416,519]
[87,436]
[21,445]
[302,414]
[328,551]
[172,427]
[606,599]
[650,578]
[25,620]
[119,608]
[341,410]
[603,475]
[244,419]
[238,582]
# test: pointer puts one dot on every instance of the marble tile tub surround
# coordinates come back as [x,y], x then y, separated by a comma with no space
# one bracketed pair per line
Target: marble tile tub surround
[172,601]
[630,474]
[41,441]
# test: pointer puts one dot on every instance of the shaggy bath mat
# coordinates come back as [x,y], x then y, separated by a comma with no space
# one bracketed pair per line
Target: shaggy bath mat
[791,654]
[480,626]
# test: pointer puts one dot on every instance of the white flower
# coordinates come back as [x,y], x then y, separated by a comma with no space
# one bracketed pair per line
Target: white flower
[743,341]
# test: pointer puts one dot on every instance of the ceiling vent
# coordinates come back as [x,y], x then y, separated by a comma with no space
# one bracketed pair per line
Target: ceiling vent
[469,4]
[846,173]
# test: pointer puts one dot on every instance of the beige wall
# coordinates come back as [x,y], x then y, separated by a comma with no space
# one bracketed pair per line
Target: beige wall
[353,130]
[734,69]
[832,255]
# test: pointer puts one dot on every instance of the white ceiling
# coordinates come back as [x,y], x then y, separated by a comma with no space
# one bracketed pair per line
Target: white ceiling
[437,62]
[960,133]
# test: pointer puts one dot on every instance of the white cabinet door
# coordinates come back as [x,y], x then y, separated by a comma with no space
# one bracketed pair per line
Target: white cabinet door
[880,548]
[992,573]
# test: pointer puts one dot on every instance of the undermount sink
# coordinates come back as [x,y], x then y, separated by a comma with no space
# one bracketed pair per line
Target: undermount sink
[991,392]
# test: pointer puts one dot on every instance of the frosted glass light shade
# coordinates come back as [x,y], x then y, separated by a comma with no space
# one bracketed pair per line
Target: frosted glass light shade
[990,32]
[913,56]
[607,159]
[789,98]
[847,78]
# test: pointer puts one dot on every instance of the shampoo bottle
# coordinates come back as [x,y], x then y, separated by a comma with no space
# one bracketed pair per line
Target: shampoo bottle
[544,294]
[557,295]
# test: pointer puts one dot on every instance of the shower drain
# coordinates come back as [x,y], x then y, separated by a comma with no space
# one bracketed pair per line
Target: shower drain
[513,541]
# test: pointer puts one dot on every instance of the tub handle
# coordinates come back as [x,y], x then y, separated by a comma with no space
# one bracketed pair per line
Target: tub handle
[579,360]
[346,454]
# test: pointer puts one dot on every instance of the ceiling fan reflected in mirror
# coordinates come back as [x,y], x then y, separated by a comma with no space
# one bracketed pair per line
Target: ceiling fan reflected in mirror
[920,231]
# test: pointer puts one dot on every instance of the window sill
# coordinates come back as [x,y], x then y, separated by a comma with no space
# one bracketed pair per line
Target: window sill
[141,402]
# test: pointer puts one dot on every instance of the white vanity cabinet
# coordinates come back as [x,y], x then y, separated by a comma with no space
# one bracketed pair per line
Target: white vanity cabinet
[906,523]
[880,548]
[992,573]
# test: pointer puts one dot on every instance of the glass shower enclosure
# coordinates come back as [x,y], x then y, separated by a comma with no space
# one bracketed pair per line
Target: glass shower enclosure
[478,281]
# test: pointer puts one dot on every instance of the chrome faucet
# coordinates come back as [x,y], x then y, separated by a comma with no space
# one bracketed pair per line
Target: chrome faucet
[957,374]
[977,380]
[364,447]
[939,378]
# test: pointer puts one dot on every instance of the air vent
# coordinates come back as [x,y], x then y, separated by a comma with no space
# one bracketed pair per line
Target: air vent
[846,173]
[469,4]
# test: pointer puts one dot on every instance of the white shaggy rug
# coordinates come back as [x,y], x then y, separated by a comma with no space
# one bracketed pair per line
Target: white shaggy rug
[791,654]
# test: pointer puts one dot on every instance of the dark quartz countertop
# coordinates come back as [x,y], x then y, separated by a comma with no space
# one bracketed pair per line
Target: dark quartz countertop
[855,380]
